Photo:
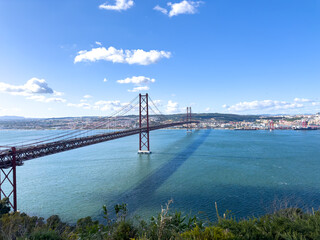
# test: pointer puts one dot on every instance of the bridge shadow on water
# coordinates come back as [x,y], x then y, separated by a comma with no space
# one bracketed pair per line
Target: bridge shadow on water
[136,196]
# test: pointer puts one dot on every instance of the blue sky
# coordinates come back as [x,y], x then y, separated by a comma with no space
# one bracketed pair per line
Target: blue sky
[232,56]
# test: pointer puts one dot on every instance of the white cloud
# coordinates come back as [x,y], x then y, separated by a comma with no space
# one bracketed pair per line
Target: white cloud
[139,89]
[157,102]
[183,7]
[110,105]
[55,93]
[32,86]
[302,100]
[137,80]
[99,43]
[105,80]
[263,105]
[161,9]
[87,96]
[172,107]
[80,105]
[118,6]
[207,109]
[32,90]
[41,98]
[114,55]
[58,100]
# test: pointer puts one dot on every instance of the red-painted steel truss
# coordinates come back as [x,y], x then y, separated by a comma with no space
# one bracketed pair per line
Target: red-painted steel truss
[11,158]
[144,140]
[41,150]
[271,125]
[8,183]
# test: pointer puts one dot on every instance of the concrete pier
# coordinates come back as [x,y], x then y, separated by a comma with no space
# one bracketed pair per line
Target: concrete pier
[144,152]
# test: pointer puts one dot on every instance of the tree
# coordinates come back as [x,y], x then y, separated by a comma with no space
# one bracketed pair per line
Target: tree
[4,206]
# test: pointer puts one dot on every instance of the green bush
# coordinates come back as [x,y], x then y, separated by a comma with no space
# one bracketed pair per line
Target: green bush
[124,231]
[45,235]
[209,233]
[289,223]
[4,206]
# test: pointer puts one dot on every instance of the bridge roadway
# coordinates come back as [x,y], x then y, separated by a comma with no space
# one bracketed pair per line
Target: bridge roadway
[35,151]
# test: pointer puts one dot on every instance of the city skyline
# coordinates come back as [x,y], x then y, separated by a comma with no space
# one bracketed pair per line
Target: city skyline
[89,58]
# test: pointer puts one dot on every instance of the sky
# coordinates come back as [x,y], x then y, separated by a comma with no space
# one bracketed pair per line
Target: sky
[62,58]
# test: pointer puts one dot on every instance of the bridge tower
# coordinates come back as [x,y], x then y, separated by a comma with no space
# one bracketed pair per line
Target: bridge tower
[144,143]
[304,124]
[271,125]
[189,127]
[8,183]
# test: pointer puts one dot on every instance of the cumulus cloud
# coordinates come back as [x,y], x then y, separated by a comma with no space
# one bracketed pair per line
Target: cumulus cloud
[119,5]
[105,80]
[183,7]
[33,90]
[80,105]
[302,100]
[41,98]
[263,105]
[161,9]
[32,86]
[137,80]
[157,102]
[99,43]
[110,105]
[139,89]
[172,107]
[207,109]
[114,55]
[55,93]
[87,96]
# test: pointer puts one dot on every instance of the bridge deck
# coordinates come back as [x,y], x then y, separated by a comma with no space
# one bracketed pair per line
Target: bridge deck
[41,150]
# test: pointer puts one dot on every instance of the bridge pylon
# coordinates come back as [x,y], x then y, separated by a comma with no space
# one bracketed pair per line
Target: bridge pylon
[189,126]
[144,142]
[8,183]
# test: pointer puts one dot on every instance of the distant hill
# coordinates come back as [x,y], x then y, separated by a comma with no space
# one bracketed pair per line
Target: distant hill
[7,118]
[217,116]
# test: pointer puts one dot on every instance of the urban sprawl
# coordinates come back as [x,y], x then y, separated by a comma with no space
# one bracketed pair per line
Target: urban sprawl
[215,121]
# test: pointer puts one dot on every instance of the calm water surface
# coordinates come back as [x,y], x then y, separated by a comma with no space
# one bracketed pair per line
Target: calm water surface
[247,172]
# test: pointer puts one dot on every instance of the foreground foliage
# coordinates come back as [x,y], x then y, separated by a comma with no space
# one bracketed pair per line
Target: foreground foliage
[290,223]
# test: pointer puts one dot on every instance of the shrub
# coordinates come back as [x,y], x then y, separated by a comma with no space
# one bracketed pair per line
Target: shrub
[209,233]
[45,235]
[124,231]
[4,206]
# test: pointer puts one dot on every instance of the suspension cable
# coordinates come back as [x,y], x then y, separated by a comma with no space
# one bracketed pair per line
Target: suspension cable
[61,135]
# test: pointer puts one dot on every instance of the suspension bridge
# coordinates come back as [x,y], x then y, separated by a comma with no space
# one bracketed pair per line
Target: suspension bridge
[13,155]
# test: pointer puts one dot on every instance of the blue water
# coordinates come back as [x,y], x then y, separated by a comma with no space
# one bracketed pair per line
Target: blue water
[246,172]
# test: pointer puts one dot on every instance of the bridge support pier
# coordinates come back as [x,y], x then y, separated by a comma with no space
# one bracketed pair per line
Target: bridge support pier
[8,187]
[144,140]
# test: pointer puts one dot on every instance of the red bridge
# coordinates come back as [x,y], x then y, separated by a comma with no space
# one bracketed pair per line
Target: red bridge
[14,156]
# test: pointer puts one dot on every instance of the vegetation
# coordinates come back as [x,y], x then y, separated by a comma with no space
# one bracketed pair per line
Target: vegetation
[290,223]
[223,117]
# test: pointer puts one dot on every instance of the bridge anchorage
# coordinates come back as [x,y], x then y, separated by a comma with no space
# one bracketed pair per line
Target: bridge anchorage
[12,157]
